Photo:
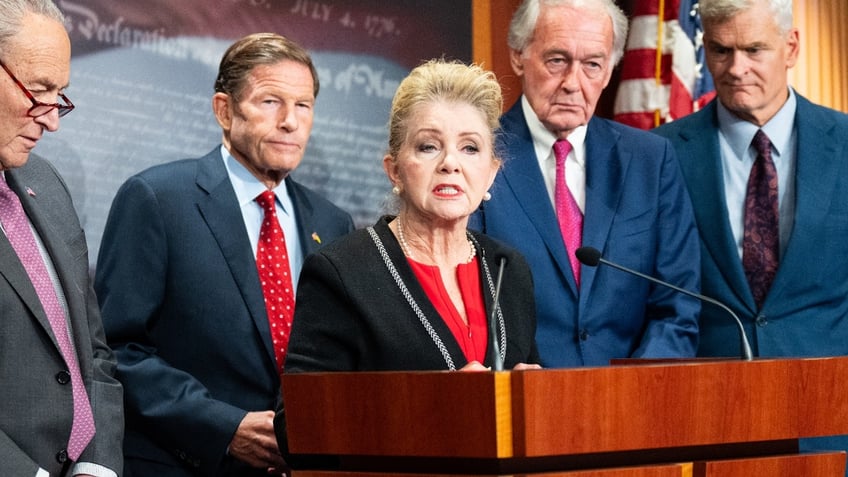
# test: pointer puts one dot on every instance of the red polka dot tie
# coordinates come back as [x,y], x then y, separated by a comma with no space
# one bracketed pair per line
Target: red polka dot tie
[20,235]
[272,262]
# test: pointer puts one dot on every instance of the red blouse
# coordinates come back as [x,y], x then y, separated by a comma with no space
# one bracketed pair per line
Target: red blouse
[473,337]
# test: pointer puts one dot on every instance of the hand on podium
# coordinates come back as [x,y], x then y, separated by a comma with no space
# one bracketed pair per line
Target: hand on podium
[476,366]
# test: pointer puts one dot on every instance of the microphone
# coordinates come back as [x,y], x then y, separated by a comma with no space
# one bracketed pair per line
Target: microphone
[591,257]
[493,329]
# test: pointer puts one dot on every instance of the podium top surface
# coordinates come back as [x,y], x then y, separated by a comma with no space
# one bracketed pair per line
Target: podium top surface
[562,412]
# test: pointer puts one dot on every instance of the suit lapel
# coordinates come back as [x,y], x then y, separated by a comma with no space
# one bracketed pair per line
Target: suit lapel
[703,171]
[305,215]
[220,210]
[606,168]
[57,250]
[14,273]
[522,175]
[818,168]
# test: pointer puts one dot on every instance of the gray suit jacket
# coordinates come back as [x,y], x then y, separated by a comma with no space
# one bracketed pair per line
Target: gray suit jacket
[36,408]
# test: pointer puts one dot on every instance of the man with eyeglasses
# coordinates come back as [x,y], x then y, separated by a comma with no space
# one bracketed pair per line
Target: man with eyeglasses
[62,409]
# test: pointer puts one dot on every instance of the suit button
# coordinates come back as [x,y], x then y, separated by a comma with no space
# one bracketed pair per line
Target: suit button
[63,377]
[584,335]
[62,456]
[761,320]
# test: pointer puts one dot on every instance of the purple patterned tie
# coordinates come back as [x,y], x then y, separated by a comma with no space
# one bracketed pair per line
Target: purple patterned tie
[760,249]
[17,228]
[568,213]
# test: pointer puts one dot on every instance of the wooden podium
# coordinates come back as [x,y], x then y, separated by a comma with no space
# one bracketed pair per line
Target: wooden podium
[658,419]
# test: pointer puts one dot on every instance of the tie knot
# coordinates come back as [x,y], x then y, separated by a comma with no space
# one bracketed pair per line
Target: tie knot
[266,200]
[4,186]
[561,149]
[762,144]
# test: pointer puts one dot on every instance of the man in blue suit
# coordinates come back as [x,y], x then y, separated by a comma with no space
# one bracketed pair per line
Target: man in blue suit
[626,184]
[749,48]
[177,274]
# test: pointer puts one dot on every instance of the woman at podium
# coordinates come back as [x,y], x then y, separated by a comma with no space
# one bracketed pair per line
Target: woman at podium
[418,290]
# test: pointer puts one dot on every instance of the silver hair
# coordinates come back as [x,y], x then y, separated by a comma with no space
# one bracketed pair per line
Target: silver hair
[12,13]
[719,10]
[524,20]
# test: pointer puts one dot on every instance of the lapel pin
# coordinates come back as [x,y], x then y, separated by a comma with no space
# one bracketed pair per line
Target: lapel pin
[315,237]
[30,192]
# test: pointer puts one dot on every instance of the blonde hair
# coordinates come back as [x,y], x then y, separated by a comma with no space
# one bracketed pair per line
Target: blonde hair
[442,80]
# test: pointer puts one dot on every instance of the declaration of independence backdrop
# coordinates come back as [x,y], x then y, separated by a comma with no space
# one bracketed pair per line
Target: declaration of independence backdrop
[142,74]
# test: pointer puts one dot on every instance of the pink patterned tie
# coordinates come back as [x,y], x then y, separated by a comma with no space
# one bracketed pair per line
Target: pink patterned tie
[568,213]
[760,244]
[19,233]
[272,262]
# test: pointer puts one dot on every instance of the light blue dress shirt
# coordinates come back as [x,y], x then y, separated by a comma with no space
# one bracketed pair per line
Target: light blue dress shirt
[737,158]
[247,187]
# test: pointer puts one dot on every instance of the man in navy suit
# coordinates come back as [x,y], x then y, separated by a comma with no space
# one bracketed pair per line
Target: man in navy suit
[749,48]
[177,274]
[626,184]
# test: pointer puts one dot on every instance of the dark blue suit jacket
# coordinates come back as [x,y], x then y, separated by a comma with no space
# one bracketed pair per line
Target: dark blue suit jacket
[183,309]
[806,310]
[637,214]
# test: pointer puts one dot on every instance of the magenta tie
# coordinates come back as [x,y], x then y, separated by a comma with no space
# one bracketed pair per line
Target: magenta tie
[272,263]
[568,213]
[20,235]
[760,244]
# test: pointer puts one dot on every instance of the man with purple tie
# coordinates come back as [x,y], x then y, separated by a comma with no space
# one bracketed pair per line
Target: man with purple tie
[62,409]
[772,249]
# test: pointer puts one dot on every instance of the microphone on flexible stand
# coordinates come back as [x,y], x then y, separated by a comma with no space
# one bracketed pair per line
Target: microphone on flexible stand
[497,363]
[591,257]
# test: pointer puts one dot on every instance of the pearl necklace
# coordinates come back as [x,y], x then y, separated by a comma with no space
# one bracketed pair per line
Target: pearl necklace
[406,250]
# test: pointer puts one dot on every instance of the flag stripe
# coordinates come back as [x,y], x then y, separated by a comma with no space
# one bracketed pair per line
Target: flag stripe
[679,84]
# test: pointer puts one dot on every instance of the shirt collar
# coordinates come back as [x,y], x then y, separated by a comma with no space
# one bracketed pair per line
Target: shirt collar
[739,133]
[543,139]
[247,187]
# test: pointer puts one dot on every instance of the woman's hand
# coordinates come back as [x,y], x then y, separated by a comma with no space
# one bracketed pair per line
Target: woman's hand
[475,366]
[523,366]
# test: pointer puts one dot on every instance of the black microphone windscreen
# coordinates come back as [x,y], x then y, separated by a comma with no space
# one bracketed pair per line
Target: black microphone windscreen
[588,256]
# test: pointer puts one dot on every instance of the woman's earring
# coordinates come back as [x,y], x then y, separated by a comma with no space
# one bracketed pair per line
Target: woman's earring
[396,190]
[487,195]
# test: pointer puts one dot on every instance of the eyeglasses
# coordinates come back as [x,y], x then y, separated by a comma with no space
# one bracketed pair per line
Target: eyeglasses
[38,108]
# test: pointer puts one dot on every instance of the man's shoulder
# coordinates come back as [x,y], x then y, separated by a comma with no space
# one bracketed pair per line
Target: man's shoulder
[321,206]
[179,167]
[634,139]
[174,175]
[817,113]
[36,168]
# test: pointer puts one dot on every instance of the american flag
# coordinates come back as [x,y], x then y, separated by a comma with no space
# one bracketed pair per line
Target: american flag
[663,76]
